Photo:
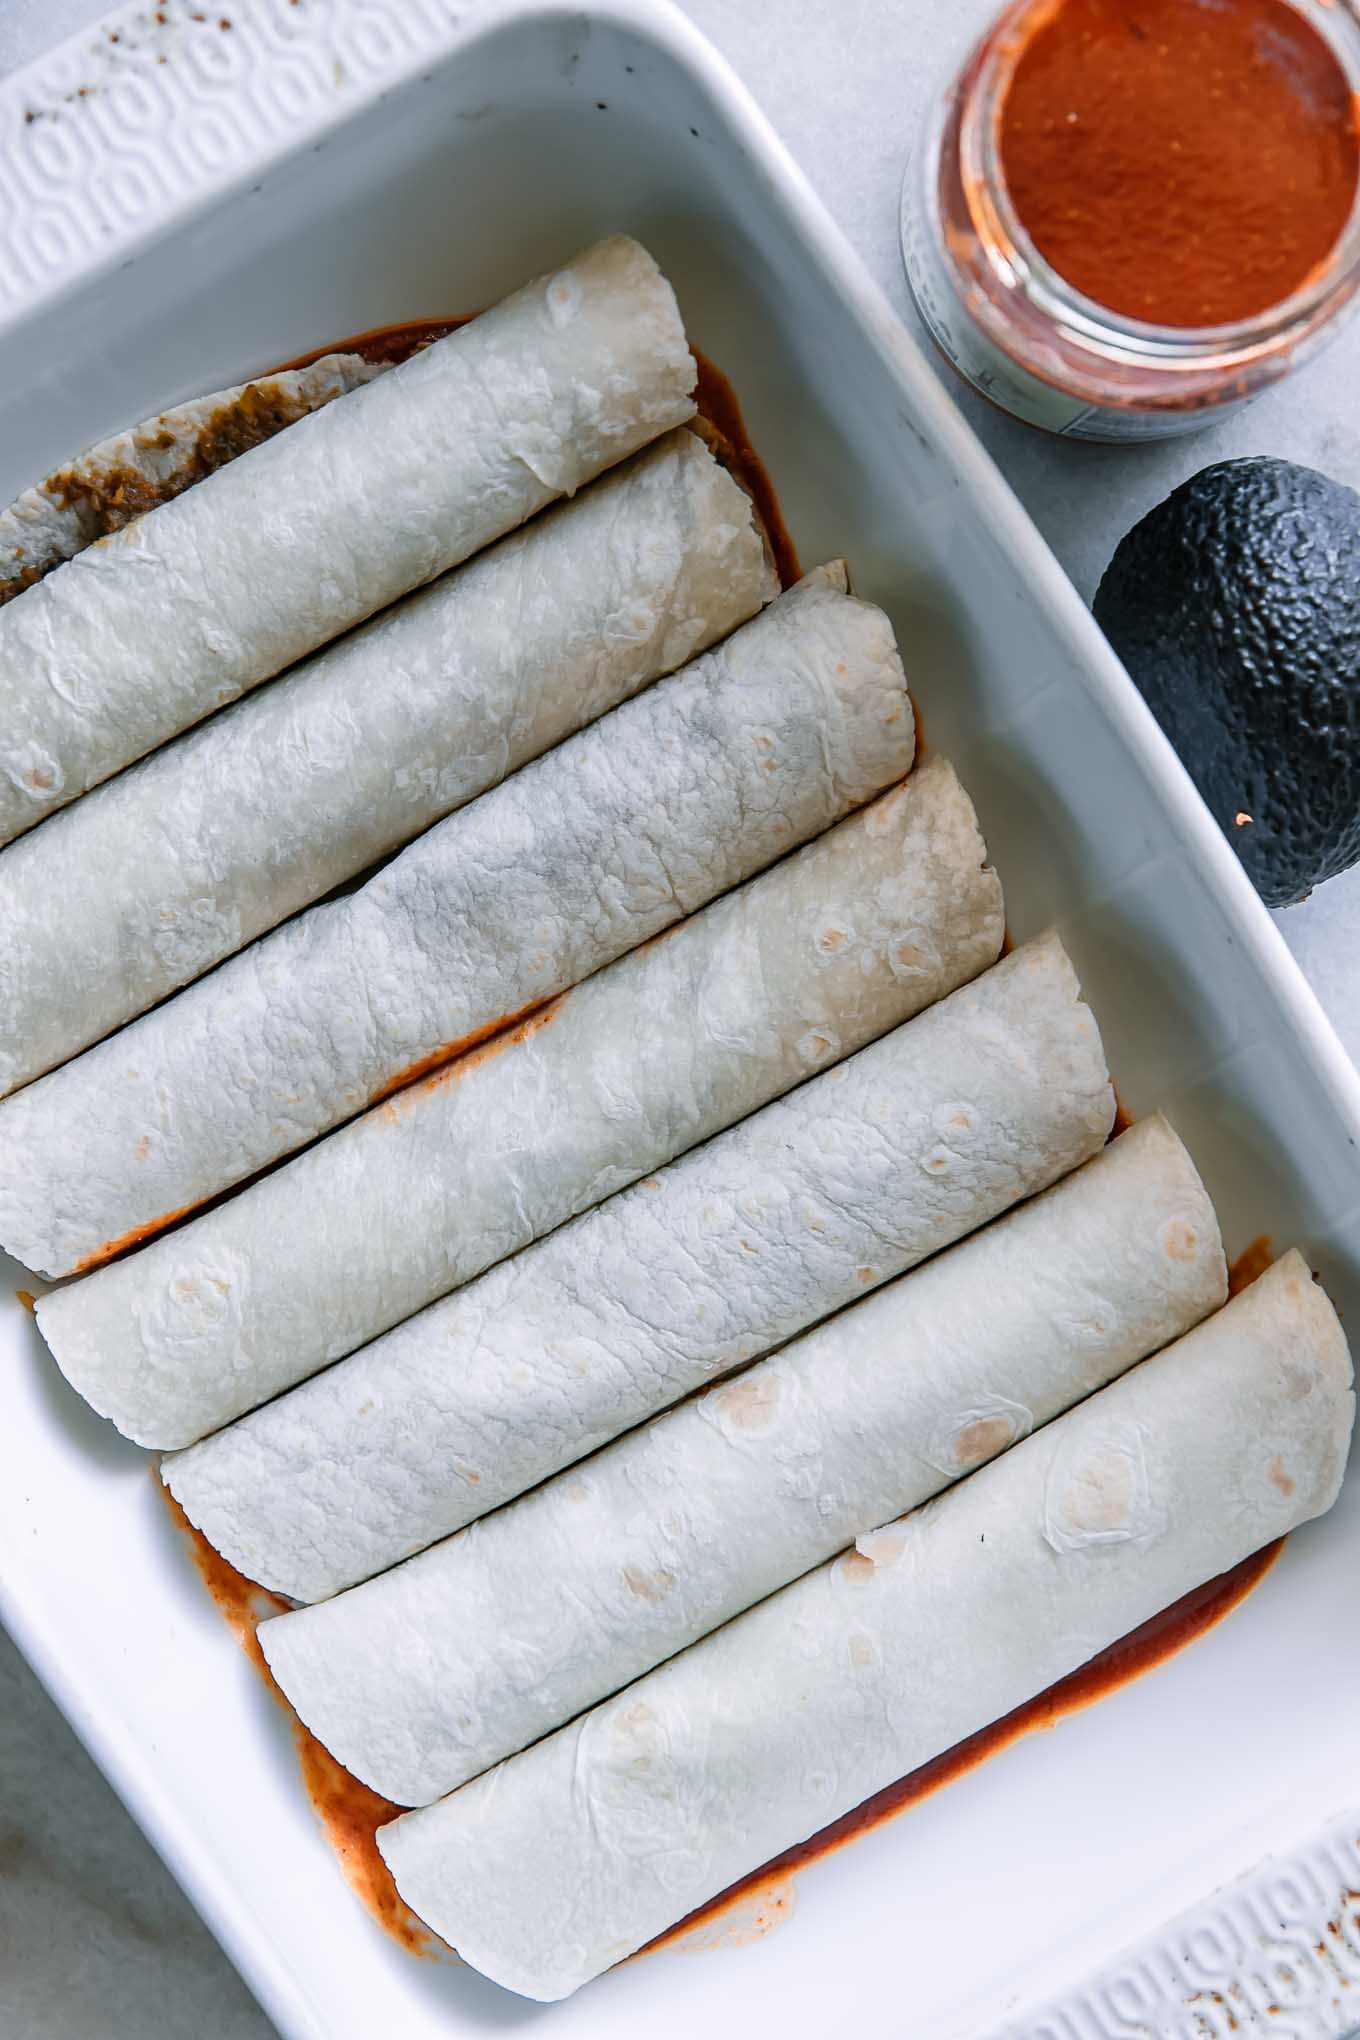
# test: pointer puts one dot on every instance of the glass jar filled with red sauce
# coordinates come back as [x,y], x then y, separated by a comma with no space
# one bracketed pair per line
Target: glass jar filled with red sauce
[1131,216]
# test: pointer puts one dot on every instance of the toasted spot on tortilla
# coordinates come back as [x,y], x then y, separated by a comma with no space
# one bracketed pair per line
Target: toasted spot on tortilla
[750,1401]
[1180,1239]
[1279,1478]
[983,1439]
[650,1587]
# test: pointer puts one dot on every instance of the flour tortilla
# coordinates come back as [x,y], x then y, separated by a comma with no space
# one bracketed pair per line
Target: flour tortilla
[615,834]
[545,1871]
[132,472]
[984,1099]
[158,624]
[183,859]
[425,1676]
[856,932]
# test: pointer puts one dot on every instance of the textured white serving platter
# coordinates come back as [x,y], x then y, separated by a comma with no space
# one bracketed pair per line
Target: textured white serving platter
[188,202]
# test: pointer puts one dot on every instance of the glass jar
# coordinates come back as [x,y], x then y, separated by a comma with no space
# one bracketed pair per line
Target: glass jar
[1031,342]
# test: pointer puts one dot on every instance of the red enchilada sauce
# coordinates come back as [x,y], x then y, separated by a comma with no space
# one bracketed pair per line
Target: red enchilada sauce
[350,1813]
[1182,162]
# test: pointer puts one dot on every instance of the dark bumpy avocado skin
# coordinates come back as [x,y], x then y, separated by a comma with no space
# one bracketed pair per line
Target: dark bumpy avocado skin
[1235,605]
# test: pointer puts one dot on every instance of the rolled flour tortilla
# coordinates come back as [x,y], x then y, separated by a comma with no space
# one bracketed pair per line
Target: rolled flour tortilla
[125,476]
[545,1871]
[183,859]
[425,1676]
[615,834]
[783,977]
[984,1099]
[158,624]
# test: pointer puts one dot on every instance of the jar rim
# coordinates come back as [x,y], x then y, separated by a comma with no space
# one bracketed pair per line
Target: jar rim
[1019,266]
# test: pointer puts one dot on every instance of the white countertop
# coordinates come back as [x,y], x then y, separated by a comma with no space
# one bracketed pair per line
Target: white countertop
[96,1942]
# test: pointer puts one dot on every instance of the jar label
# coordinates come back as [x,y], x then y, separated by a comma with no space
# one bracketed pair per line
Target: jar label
[980,362]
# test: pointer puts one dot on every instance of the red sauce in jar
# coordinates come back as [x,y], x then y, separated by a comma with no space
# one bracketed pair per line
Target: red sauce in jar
[1187,163]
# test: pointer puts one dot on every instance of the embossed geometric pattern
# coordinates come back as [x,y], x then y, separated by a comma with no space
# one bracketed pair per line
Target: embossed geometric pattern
[111,134]
[1277,1953]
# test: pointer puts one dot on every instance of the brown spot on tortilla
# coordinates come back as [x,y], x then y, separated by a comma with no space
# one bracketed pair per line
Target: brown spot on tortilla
[864,1275]
[750,1401]
[1180,1240]
[132,1238]
[28,1300]
[1279,1478]
[982,1439]
[350,1813]
[650,1587]
[143,1147]
[856,1568]
[39,779]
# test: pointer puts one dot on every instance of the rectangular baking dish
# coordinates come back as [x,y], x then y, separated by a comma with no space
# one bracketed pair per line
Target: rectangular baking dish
[195,199]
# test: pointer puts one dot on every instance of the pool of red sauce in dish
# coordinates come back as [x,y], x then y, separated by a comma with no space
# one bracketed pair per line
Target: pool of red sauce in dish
[350,1813]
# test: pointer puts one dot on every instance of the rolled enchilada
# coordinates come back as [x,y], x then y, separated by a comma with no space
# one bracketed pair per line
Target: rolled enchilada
[618,832]
[562,1861]
[180,861]
[158,624]
[983,1099]
[783,977]
[124,476]
[428,1674]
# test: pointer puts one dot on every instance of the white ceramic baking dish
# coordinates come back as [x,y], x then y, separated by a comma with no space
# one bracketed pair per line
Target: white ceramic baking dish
[191,199]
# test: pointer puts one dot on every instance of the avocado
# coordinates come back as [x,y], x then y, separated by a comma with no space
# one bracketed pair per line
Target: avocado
[1235,605]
